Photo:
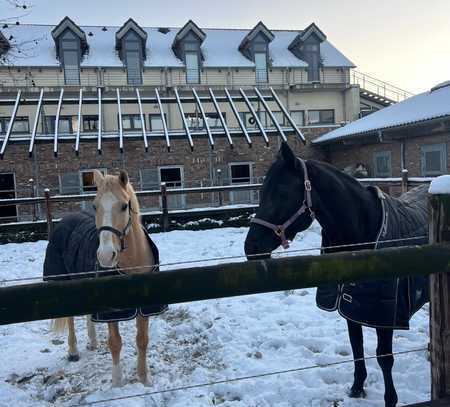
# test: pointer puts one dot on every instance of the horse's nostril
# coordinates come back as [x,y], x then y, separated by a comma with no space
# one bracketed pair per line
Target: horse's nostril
[114,254]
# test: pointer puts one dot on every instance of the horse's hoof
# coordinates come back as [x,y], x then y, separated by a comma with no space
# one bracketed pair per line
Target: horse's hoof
[73,358]
[145,381]
[355,393]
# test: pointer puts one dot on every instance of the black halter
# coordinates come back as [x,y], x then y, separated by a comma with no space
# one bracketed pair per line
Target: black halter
[120,234]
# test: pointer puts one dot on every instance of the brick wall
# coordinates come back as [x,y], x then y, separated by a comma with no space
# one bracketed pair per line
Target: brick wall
[199,166]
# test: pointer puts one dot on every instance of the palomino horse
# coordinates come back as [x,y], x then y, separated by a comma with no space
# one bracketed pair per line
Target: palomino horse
[115,238]
[293,194]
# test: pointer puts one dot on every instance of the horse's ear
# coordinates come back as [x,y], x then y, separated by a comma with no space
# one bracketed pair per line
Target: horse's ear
[288,155]
[123,178]
[98,178]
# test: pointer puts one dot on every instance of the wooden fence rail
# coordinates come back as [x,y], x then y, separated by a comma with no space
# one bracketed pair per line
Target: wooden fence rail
[83,296]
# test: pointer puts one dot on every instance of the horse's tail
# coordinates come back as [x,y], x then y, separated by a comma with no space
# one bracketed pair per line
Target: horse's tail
[59,325]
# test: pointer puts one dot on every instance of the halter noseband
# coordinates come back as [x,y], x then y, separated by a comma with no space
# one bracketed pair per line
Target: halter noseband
[120,234]
[306,205]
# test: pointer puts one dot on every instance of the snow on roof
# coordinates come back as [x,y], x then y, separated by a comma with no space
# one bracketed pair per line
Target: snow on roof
[425,106]
[220,48]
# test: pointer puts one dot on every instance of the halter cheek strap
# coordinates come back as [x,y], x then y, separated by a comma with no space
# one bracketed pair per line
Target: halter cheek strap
[120,234]
[306,206]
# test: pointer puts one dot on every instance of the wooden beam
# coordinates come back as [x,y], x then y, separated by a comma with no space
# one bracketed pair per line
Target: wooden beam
[440,303]
[85,296]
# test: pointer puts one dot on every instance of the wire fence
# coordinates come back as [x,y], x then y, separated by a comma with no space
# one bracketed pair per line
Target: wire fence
[249,377]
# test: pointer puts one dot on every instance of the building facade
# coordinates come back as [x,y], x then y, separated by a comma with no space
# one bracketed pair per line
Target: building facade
[156,102]
[413,135]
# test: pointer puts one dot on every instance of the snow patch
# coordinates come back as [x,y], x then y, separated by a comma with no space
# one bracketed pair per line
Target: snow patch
[440,185]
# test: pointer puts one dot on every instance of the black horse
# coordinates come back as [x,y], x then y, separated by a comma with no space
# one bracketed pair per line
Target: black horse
[294,193]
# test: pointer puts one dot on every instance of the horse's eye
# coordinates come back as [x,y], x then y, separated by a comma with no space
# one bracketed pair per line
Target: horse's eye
[94,207]
[124,207]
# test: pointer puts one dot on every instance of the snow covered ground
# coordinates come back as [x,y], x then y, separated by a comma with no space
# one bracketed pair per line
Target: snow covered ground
[206,341]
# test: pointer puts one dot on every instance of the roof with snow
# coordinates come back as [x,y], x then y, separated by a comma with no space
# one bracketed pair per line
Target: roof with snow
[220,48]
[429,105]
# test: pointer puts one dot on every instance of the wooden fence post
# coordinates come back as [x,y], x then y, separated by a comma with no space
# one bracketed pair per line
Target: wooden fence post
[404,180]
[219,182]
[440,302]
[48,211]
[165,212]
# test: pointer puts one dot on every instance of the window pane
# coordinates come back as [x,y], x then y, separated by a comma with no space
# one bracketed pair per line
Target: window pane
[313,117]
[298,117]
[261,67]
[64,125]
[90,123]
[133,63]
[192,68]
[156,123]
[240,173]
[433,161]
[171,176]
[327,116]
[71,68]
[126,122]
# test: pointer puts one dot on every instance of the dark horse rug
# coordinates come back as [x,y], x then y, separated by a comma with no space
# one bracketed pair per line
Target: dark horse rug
[390,302]
[72,249]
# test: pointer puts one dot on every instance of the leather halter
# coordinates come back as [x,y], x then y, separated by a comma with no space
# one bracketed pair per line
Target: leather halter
[306,205]
[120,234]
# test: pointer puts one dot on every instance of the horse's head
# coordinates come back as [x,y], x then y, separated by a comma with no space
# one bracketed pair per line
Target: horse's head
[284,208]
[114,205]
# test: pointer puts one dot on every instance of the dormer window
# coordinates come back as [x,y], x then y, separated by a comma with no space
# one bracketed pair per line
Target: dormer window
[131,43]
[70,58]
[306,46]
[255,46]
[187,47]
[133,59]
[71,45]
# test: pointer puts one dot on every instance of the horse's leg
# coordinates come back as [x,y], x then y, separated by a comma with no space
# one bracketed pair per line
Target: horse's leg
[92,344]
[74,356]
[384,347]
[142,343]
[357,342]
[115,346]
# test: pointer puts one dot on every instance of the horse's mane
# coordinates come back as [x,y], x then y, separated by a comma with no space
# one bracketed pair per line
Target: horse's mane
[135,208]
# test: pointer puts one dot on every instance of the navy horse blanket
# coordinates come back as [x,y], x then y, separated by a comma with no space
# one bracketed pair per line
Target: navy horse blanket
[390,302]
[72,249]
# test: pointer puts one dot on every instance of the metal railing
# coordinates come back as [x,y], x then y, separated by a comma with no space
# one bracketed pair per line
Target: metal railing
[378,87]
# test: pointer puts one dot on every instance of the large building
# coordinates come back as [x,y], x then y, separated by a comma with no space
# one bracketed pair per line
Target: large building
[187,106]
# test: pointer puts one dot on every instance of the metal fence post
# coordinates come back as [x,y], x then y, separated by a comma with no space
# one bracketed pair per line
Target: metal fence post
[165,212]
[48,211]
[440,302]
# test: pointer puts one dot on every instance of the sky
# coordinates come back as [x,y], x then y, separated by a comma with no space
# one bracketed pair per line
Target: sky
[403,42]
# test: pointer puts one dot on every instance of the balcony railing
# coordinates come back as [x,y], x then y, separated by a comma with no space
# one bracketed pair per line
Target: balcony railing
[378,87]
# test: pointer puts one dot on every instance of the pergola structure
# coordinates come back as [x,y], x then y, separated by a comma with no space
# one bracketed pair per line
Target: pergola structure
[155,98]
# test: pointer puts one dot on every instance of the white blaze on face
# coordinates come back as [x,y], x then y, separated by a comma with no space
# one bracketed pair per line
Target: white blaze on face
[107,251]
